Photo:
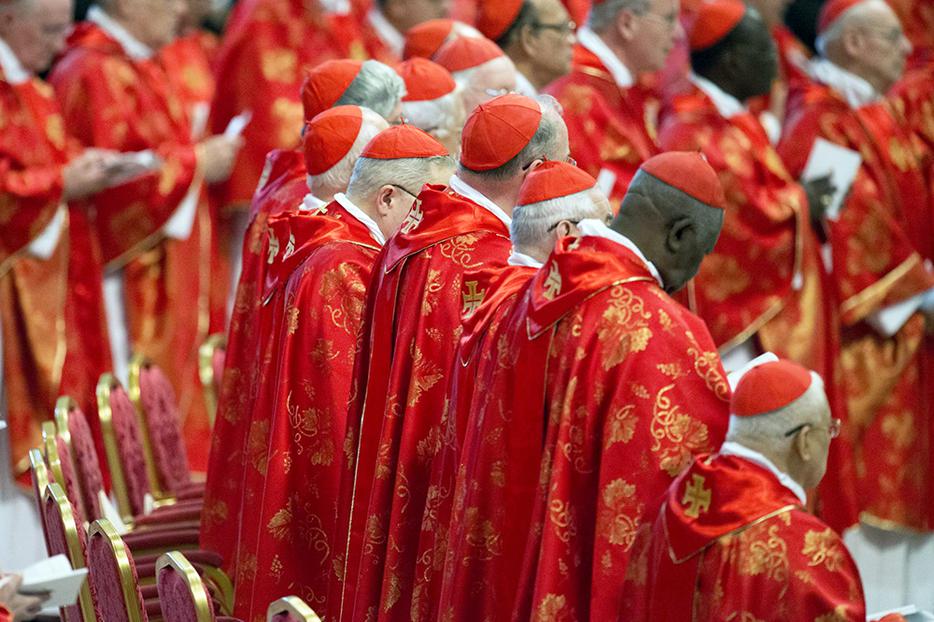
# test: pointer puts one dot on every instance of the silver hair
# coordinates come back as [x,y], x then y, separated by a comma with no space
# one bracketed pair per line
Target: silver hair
[370,174]
[771,427]
[836,29]
[544,142]
[338,176]
[436,116]
[377,86]
[603,14]
[531,223]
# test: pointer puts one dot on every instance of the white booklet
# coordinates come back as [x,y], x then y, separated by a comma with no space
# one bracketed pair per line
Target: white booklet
[55,576]
[841,163]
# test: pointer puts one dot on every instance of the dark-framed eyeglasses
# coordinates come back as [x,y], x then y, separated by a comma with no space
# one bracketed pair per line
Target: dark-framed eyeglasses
[563,29]
[568,159]
[833,430]
[555,226]
[411,194]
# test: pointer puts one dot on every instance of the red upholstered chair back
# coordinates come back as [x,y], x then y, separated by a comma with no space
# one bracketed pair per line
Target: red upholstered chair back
[161,427]
[211,358]
[114,582]
[65,537]
[58,459]
[40,481]
[74,429]
[124,447]
[290,609]
[181,591]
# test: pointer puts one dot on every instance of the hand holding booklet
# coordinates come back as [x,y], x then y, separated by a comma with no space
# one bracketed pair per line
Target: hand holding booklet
[840,163]
[54,576]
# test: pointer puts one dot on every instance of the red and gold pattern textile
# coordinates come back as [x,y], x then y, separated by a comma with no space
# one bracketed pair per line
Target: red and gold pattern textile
[879,244]
[260,68]
[413,321]
[633,390]
[188,65]
[610,127]
[732,543]
[239,386]
[917,18]
[307,458]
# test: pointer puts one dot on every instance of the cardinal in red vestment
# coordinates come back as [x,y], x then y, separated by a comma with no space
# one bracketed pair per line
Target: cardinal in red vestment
[331,147]
[384,24]
[432,101]
[425,39]
[733,540]
[879,242]
[764,288]
[324,298]
[479,67]
[612,130]
[413,325]
[491,424]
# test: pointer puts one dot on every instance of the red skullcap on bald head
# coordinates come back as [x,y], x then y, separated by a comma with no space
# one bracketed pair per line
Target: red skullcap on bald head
[831,11]
[553,180]
[425,80]
[423,40]
[329,137]
[403,141]
[494,17]
[768,387]
[326,83]
[714,20]
[689,172]
[498,130]
[466,53]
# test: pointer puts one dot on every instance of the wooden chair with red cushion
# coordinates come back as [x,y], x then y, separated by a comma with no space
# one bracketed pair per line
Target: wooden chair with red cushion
[211,356]
[113,578]
[61,469]
[64,536]
[290,609]
[40,481]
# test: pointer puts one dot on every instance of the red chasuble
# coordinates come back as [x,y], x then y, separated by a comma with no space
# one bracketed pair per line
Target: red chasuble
[633,389]
[609,126]
[277,194]
[414,310]
[732,543]
[260,68]
[879,244]
[497,288]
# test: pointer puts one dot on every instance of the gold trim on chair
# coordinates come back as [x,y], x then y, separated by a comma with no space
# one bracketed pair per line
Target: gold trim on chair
[104,529]
[105,386]
[72,540]
[134,390]
[177,562]
[223,587]
[40,473]
[292,605]
[50,452]
[206,371]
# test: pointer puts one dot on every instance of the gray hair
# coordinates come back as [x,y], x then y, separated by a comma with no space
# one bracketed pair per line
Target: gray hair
[377,86]
[531,223]
[604,14]
[371,174]
[771,426]
[436,116]
[466,76]
[338,176]
[837,28]
[544,143]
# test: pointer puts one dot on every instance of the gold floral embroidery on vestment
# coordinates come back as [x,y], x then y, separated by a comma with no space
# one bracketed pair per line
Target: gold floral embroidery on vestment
[460,249]
[622,426]
[823,547]
[552,608]
[763,552]
[624,327]
[561,517]
[279,65]
[620,513]
[425,375]
[676,435]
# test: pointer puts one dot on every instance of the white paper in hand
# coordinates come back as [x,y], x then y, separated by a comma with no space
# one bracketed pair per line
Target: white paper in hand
[55,576]
[841,163]
[238,124]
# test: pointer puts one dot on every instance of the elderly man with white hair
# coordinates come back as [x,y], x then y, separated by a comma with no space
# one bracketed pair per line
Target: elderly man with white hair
[356,83]
[885,287]
[433,101]
[480,68]
[734,534]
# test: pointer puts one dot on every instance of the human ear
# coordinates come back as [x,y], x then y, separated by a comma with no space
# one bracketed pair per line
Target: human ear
[384,200]
[677,235]
[802,446]
[626,24]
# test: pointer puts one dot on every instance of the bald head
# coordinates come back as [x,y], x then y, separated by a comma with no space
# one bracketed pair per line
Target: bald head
[868,41]
[674,230]
[35,30]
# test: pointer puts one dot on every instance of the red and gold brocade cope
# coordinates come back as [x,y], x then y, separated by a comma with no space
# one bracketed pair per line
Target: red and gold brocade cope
[413,320]
[732,543]
[609,126]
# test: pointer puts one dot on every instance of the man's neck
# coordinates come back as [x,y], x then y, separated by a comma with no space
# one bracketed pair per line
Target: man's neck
[853,67]
[363,205]
[503,193]
[618,49]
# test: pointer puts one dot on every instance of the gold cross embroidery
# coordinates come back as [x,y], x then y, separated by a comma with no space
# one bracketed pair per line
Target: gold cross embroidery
[696,497]
[472,297]
[552,283]
[290,247]
[273,248]
[413,218]
[321,209]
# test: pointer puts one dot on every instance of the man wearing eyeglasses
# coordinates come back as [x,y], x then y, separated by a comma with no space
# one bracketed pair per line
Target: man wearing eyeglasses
[538,35]
[734,534]
[611,131]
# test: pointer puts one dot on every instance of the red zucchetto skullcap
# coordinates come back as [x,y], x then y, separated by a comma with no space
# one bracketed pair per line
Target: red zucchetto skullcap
[403,141]
[553,180]
[768,387]
[498,130]
[425,80]
[326,83]
[689,172]
[714,20]
[423,40]
[329,136]
[494,17]
[831,12]
[466,53]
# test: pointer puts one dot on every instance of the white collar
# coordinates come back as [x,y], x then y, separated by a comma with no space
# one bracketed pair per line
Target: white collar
[133,47]
[596,228]
[360,215]
[727,105]
[386,31]
[311,203]
[592,41]
[524,86]
[462,188]
[13,70]
[730,448]
[854,89]
[521,259]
